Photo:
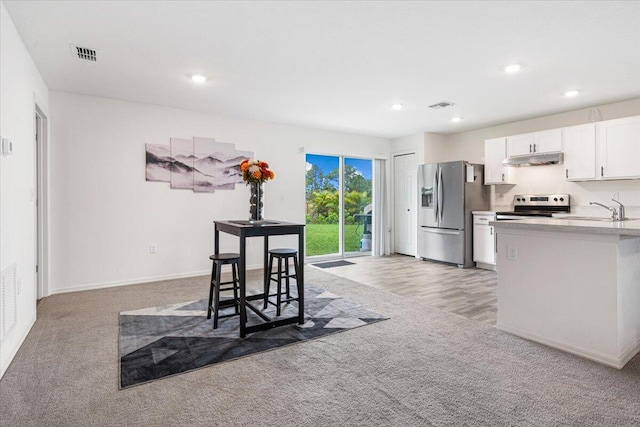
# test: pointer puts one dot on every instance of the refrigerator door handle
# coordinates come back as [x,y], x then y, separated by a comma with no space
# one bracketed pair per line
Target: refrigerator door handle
[435,196]
[440,194]
[439,231]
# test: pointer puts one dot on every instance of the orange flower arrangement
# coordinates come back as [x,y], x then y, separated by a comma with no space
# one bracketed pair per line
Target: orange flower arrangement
[255,171]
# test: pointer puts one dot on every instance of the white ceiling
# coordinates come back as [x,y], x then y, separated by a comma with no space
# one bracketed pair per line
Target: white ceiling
[341,65]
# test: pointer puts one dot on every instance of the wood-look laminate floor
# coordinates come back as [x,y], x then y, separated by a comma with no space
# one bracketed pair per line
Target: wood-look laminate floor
[468,292]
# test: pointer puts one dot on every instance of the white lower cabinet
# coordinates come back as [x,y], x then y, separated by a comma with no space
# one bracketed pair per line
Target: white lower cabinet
[484,244]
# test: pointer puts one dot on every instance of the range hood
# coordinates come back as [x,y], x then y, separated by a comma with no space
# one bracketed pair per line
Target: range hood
[534,160]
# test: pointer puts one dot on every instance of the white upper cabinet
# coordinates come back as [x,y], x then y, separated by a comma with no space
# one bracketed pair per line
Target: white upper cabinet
[495,151]
[619,148]
[580,152]
[592,152]
[549,141]
[520,145]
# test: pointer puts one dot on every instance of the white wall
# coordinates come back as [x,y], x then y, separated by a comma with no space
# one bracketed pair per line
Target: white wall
[549,179]
[429,147]
[105,215]
[20,85]
[409,144]
[435,148]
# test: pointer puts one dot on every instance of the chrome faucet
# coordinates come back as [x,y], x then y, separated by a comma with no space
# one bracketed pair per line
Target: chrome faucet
[614,213]
[621,216]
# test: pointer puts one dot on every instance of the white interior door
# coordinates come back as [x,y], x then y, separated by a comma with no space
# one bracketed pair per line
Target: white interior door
[405,201]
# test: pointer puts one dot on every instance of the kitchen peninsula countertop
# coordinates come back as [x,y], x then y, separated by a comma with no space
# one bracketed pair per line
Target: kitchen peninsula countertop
[630,227]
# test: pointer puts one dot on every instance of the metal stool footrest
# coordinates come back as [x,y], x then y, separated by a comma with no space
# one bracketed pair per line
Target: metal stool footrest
[220,316]
[282,301]
[284,276]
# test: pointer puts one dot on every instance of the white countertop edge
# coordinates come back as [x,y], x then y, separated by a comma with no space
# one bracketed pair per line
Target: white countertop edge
[483,212]
[623,228]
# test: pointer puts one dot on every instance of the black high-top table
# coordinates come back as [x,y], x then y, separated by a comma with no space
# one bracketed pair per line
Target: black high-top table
[244,229]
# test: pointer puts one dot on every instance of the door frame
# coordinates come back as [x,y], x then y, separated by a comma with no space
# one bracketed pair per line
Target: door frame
[41,202]
[393,199]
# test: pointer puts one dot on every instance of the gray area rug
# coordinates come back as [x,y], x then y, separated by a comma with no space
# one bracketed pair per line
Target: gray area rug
[422,367]
[331,264]
[157,342]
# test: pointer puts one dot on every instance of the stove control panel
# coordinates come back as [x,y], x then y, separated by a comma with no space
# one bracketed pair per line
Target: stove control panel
[541,200]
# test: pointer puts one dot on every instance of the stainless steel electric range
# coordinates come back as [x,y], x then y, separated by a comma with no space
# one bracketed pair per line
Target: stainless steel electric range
[536,206]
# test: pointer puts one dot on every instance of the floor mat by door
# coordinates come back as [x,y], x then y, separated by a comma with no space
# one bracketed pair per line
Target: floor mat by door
[333,264]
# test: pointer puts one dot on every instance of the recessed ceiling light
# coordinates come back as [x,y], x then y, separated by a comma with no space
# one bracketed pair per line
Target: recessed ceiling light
[571,93]
[456,119]
[397,107]
[513,68]
[196,78]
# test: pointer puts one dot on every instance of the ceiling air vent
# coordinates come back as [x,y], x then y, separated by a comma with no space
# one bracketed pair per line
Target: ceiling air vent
[443,104]
[84,53]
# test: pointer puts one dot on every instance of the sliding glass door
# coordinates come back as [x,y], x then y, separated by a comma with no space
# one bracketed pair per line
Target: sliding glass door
[357,212]
[322,205]
[338,206]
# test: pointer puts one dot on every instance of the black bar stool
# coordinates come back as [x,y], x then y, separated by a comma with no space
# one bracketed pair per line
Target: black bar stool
[283,255]
[216,285]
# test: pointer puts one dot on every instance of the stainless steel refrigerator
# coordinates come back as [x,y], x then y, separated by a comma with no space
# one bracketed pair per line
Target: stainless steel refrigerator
[448,192]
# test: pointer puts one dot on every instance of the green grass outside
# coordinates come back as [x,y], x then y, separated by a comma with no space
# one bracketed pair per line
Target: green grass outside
[322,239]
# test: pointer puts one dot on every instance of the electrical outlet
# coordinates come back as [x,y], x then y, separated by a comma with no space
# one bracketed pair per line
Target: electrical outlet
[153,249]
[512,253]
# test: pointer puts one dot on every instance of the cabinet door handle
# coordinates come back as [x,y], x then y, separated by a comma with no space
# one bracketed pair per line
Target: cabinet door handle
[601,170]
[534,148]
[503,177]
[566,173]
[491,230]
[530,148]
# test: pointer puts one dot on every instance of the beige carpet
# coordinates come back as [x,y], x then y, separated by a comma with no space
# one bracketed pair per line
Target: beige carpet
[421,367]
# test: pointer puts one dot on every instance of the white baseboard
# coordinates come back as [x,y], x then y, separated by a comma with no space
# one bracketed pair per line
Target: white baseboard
[5,365]
[614,361]
[630,353]
[486,266]
[103,285]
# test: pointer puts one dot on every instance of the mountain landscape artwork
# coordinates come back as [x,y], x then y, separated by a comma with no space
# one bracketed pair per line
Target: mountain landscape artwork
[199,164]
[204,171]
[228,168]
[182,163]
[158,163]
